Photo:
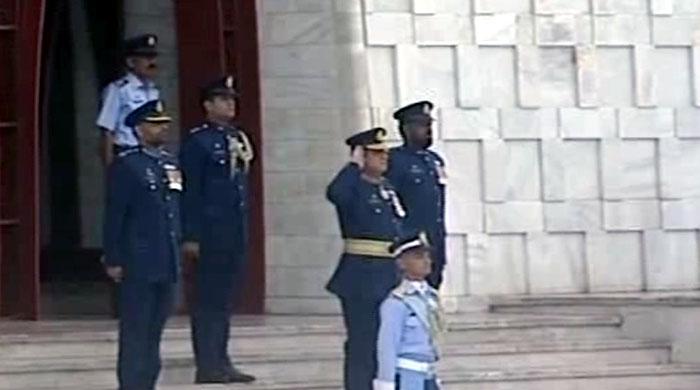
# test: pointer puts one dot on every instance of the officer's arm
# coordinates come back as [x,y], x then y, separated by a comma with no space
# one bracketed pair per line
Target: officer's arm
[108,121]
[192,159]
[392,316]
[342,189]
[106,147]
[119,195]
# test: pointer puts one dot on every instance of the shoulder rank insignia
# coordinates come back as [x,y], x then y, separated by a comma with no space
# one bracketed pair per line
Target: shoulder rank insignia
[127,152]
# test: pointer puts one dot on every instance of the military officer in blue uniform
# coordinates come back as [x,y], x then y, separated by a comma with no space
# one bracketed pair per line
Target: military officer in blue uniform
[142,244]
[419,176]
[216,158]
[123,95]
[370,214]
[411,323]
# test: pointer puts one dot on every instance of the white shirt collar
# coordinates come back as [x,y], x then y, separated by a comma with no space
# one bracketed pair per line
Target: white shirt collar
[137,81]
[420,285]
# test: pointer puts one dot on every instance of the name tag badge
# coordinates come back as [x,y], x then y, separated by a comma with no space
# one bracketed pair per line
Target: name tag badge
[174,179]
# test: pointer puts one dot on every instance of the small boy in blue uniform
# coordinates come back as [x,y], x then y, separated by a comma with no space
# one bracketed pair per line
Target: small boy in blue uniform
[411,321]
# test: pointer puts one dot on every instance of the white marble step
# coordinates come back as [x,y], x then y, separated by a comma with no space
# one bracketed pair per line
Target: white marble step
[66,342]
[598,304]
[628,377]
[319,363]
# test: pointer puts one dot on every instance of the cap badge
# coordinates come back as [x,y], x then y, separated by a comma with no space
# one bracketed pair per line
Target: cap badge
[380,136]
[151,40]
[229,82]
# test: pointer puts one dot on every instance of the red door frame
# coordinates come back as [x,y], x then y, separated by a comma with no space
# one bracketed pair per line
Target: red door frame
[217,37]
[21,22]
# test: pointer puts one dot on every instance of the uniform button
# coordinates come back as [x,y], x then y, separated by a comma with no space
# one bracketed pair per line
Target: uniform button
[378,211]
[153,186]
[222,162]
[170,215]
[167,197]
[417,181]
[172,234]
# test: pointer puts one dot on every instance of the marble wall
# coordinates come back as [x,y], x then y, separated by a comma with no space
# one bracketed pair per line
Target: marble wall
[571,129]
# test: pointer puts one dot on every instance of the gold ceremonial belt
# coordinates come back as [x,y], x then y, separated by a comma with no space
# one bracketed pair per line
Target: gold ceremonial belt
[374,248]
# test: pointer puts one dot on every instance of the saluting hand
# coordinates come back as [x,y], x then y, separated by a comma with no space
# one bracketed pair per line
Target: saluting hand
[116,273]
[357,156]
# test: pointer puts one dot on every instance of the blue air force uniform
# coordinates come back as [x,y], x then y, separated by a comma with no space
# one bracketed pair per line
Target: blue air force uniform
[216,160]
[370,217]
[142,235]
[420,179]
[127,93]
[411,324]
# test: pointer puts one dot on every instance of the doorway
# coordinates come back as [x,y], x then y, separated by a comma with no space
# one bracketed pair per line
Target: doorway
[72,281]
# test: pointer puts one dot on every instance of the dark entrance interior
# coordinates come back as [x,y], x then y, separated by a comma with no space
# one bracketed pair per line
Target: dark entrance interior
[72,281]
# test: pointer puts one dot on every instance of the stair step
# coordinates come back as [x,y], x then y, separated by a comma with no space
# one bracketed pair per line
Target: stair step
[294,365]
[66,343]
[629,377]
[600,304]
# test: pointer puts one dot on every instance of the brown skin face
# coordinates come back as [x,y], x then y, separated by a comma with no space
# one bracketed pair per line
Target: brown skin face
[420,136]
[376,162]
[220,109]
[153,134]
[415,264]
[145,67]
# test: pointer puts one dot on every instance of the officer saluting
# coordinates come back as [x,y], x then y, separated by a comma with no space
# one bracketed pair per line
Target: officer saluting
[122,96]
[411,323]
[419,176]
[216,159]
[370,216]
[141,241]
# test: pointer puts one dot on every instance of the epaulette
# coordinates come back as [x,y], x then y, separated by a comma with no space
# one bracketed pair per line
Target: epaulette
[127,152]
[196,129]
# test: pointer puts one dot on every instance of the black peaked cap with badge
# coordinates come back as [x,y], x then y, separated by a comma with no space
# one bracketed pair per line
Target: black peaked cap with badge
[373,139]
[152,111]
[141,45]
[220,87]
[418,112]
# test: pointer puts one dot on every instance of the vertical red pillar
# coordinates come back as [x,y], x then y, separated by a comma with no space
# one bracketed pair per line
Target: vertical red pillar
[217,37]
[21,24]
[242,60]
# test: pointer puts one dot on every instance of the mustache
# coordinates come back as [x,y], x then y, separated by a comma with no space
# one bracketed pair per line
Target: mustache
[152,65]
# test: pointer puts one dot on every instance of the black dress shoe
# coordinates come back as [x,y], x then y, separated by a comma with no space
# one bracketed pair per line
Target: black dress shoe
[222,377]
[236,376]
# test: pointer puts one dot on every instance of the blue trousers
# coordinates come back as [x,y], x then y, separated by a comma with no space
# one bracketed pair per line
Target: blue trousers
[361,317]
[412,380]
[215,286]
[143,310]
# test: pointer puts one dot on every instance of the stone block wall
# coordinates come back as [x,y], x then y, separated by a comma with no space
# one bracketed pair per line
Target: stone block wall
[571,130]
